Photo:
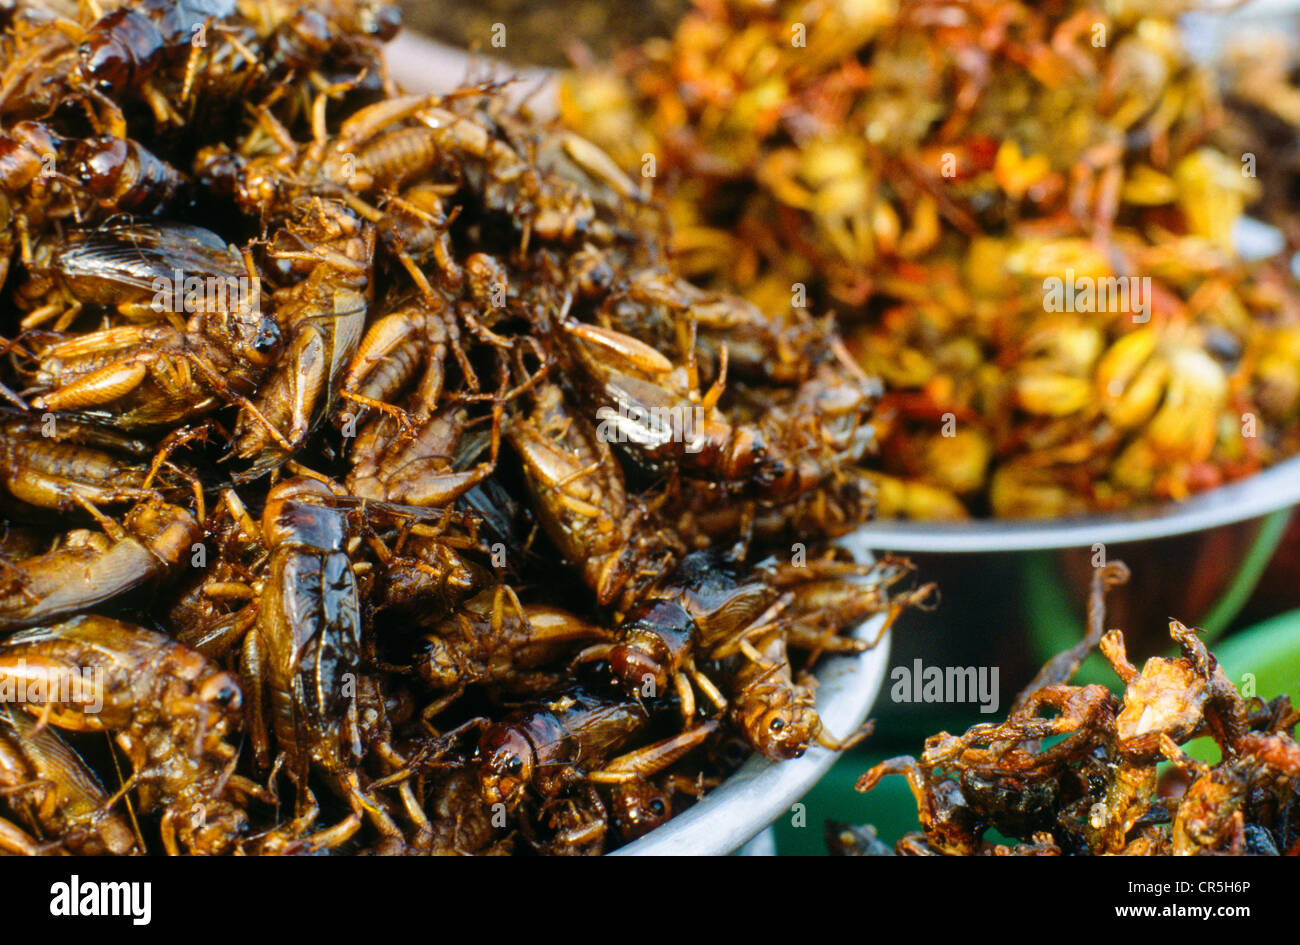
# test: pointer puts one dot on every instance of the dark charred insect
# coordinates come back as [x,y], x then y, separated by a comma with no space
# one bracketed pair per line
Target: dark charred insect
[570,742]
[122,175]
[703,610]
[310,586]
[305,650]
[539,749]
[133,269]
[261,51]
[705,512]
[124,48]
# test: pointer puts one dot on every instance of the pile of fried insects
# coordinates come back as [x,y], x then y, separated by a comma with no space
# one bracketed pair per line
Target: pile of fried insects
[1076,771]
[372,481]
[1026,210]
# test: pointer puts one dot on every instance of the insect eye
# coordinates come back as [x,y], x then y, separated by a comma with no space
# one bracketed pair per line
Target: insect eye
[657,807]
[515,765]
[220,691]
[266,339]
[777,724]
[383,22]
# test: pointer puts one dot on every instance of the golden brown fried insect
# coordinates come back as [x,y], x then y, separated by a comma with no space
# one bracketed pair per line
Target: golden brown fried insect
[17,842]
[537,749]
[420,468]
[799,441]
[139,377]
[424,577]
[582,500]
[416,230]
[88,568]
[323,317]
[169,708]
[461,824]
[132,268]
[48,461]
[216,609]
[493,638]
[638,806]
[190,61]
[201,339]
[123,48]
[55,793]
[33,190]
[776,713]
[702,610]
[411,341]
